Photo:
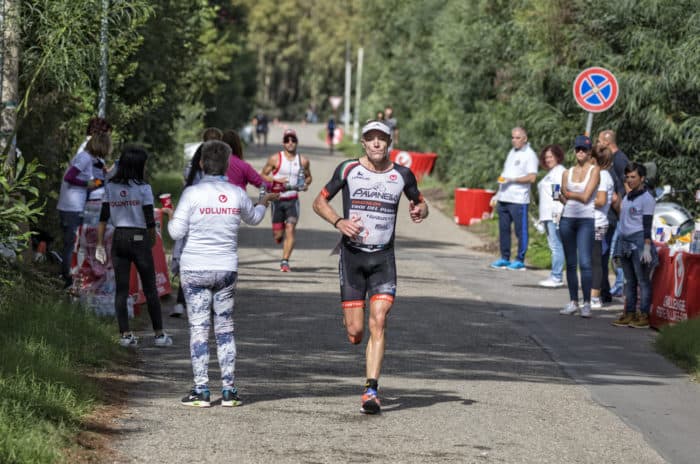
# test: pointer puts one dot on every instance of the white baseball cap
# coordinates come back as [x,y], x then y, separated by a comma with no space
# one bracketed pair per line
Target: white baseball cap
[376,125]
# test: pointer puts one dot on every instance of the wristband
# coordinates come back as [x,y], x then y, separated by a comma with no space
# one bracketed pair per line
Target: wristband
[335,224]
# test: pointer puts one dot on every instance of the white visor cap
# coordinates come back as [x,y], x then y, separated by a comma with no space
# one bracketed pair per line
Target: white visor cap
[376,125]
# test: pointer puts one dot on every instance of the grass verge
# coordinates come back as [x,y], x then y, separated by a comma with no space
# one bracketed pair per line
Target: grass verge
[49,349]
[681,344]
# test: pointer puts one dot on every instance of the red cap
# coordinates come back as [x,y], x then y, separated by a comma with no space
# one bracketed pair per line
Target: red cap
[290,133]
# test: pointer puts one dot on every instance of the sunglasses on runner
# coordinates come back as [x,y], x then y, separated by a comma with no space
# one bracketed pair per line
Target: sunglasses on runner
[289,139]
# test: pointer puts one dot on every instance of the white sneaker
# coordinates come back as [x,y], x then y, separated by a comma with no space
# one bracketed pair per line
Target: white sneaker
[128,341]
[571,308]
[178,310]
[586,310]
[163,340]
[596,303]
[551,282]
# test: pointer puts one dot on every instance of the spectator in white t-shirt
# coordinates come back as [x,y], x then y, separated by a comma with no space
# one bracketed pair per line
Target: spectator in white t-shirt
[577,226]
[605,197]
[550,209]
[513,197]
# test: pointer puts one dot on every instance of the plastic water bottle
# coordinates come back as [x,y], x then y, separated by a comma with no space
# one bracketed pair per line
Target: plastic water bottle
[301,180]
[695,244]
[263,192]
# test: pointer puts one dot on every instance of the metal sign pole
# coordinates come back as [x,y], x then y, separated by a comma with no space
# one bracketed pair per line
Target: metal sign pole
[358,95]
[589,124]
[348,77]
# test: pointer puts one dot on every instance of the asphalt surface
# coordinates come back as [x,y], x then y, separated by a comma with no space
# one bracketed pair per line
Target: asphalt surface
[479,367]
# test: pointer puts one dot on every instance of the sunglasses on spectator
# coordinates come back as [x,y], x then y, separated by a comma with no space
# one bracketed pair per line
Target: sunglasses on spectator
[290,139]
[581,149]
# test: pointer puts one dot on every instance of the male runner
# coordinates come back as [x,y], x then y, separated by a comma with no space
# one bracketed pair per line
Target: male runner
[292,169]
[371,187]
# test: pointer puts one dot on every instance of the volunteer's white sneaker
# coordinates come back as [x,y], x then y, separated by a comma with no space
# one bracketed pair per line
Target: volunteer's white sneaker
[178,310]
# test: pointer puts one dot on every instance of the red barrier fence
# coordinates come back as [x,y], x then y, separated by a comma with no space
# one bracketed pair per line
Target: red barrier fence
[472,205]
[675,294]
[419,163]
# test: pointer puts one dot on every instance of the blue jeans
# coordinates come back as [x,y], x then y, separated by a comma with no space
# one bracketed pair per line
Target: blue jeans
[515,213]
[70,221]
[577,236]
[557,249]
[619,273]
[629,251]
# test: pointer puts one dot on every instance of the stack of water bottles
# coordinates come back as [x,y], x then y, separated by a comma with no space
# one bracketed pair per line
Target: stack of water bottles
[695,243]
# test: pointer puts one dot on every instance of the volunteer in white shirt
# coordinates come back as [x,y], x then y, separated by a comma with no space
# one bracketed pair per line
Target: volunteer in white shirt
[128,203]
[513,197]
[550,209]
[210,214]
[78,180]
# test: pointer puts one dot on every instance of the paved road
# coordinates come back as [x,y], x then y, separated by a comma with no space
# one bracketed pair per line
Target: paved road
[479,365]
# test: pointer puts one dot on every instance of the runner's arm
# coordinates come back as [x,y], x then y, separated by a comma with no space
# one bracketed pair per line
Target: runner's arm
[417,208]
[269,167]
[323,208]
[306,166]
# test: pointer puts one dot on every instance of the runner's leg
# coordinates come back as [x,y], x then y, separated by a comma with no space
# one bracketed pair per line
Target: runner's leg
[289,239]
[379,308]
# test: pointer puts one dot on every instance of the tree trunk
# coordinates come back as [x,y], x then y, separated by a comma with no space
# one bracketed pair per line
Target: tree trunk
[10,86]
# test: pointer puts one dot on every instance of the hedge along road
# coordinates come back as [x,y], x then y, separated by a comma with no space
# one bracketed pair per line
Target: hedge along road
[465,378]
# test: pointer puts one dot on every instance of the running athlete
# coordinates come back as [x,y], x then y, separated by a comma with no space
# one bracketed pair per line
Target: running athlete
[289,168]
[371,187]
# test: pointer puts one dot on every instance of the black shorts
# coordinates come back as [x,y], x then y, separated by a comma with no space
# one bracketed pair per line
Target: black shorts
[285,211]
[363,273]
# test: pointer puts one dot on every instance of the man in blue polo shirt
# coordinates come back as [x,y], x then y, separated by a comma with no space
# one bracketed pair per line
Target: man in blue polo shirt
[513,198]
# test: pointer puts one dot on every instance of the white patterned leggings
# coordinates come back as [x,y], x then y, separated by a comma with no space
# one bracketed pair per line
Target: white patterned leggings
[205,290]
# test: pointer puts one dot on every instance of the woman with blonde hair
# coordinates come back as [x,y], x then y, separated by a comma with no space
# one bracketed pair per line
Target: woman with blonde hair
[578,191]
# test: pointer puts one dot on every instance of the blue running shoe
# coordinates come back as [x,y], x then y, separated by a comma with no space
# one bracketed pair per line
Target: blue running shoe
[500,264]
[517,266]
[229,398]
[197,399]
[370,402]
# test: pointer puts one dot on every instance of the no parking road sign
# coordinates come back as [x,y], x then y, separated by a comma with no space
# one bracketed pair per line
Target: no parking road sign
[595,89]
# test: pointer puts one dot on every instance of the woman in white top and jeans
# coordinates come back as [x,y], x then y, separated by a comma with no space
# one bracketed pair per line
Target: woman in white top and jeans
[578,189]
[550,208]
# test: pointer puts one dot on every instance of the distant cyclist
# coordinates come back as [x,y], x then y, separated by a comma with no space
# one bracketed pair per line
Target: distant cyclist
[371,188]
